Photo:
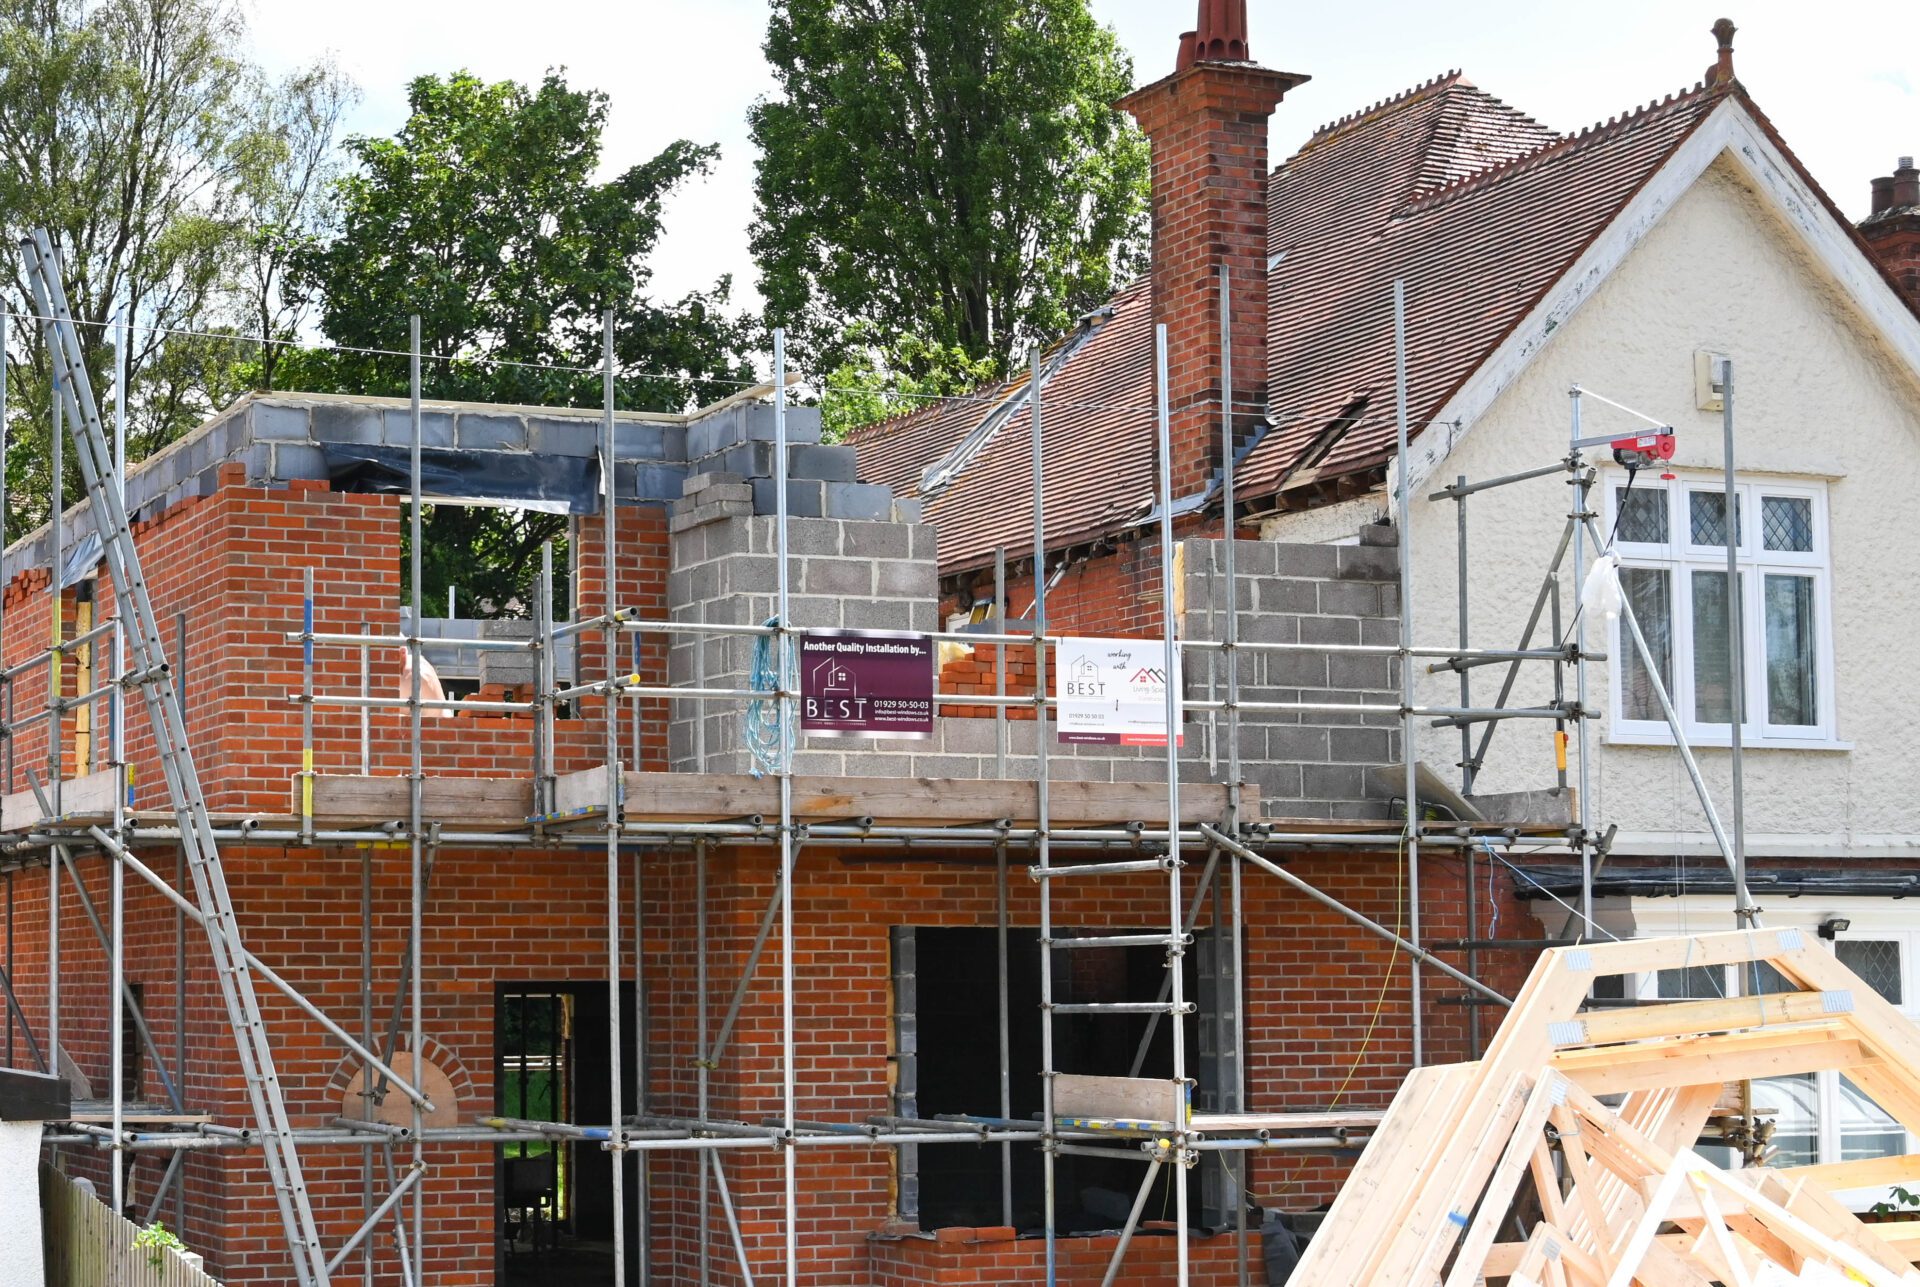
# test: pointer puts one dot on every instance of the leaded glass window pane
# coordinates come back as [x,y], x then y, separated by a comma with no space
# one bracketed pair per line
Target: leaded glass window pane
[1712,667]
[1875,960]
[1692,983]
[1649,593]
[1786,523]
[1642,515]
[1791,695]
[1758,979]
[1707,517]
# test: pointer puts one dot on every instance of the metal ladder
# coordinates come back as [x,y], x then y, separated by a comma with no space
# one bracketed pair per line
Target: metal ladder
[154,678]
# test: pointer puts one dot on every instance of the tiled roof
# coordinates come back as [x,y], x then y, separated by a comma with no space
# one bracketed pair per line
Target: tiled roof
[1479,208]
[1096,416]
[1476,205]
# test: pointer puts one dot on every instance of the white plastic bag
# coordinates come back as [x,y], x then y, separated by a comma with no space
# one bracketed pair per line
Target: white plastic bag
[1600,595]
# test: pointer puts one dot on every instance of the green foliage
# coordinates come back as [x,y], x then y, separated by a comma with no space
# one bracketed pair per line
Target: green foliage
[153,151]
[949,169]
[877,381]
[157,1240]
[482,215]
[1903,1200]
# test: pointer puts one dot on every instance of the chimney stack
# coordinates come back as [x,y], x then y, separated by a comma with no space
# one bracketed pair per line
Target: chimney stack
[1892,231]
[1208,126]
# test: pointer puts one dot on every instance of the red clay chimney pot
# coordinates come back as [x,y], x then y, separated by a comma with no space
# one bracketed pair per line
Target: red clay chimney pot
[1906,184]
[1882,193]
[1220,34]
[1188,50]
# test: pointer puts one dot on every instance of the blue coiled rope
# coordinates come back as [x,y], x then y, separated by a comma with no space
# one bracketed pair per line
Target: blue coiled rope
[767,740]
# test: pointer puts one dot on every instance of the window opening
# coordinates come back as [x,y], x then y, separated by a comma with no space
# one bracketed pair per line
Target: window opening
[946,1024]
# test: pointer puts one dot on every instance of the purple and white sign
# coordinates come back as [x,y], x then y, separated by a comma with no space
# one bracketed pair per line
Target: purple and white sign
[1114,691]
[866,683]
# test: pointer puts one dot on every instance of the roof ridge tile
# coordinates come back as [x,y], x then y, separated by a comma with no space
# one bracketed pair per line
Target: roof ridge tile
[1569,142]
[1422,90]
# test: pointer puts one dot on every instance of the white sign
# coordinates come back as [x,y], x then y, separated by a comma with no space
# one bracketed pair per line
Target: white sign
[1113,690]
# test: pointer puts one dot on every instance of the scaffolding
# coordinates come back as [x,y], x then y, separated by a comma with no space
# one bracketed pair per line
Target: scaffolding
[1151,1121]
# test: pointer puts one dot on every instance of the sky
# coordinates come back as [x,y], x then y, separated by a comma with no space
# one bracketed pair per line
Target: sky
[1840,79]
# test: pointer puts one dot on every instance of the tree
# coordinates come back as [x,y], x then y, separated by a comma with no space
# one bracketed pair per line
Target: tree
[288,171]
[482,215]
[137,133]
[878,381]
[949,169]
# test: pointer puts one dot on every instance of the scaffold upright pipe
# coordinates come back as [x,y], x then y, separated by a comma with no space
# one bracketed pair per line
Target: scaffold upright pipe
[789,738]
[416,822]
[1231,648]
[1580,479]
[55,731]
[306,703]
[1176,908]
[702,1069]
[117,701]
[1409,754]
[609,563]
[1745,915]
[1043,844]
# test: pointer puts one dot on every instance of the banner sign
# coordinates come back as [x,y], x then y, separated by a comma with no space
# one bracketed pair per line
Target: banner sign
[1113,690]
[866,683]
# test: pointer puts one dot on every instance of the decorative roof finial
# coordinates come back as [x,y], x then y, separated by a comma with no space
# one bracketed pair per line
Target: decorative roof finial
[1721,73]
[1219,35]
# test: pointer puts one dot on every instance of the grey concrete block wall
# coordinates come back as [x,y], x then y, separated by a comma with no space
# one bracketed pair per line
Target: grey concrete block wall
[882,576]
[844,574]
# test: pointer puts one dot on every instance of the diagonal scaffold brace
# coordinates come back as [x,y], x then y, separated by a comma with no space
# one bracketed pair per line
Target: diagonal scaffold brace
[153,677]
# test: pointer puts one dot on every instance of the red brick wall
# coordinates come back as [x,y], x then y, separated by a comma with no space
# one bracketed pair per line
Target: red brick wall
[233,561]
[1313,985]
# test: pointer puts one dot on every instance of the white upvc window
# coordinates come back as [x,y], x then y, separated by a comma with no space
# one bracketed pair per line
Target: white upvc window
[1671,538]
[1819,1116]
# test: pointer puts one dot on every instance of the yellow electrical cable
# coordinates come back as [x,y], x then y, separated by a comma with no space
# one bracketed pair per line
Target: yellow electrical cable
[1380,999]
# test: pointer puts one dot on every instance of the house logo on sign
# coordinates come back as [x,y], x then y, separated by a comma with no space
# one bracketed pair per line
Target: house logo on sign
[833,693]
[1087,679]
[834,677]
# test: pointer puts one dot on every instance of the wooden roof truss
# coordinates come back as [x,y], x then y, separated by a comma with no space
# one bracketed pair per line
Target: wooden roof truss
[1565,1156]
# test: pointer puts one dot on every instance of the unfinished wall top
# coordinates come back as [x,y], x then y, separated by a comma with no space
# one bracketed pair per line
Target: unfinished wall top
[473,452]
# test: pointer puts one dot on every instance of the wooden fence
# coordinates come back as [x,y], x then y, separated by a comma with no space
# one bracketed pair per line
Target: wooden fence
[88,1245]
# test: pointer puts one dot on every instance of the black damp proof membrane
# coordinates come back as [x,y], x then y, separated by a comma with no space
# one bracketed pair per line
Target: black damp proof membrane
[472,477]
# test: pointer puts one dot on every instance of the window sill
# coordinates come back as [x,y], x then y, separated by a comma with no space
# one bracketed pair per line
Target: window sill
[1723,742]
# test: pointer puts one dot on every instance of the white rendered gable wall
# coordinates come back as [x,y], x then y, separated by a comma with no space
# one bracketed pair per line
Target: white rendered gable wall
[1821,394]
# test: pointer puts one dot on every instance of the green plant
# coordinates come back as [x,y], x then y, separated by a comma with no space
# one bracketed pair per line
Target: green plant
[157,1240]
[1903,1200]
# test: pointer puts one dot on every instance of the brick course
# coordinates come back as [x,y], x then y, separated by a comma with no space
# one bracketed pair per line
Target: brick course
[1319,992]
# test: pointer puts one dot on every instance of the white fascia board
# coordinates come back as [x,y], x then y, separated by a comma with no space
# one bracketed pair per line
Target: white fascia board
[1727,131]
[1692,844]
